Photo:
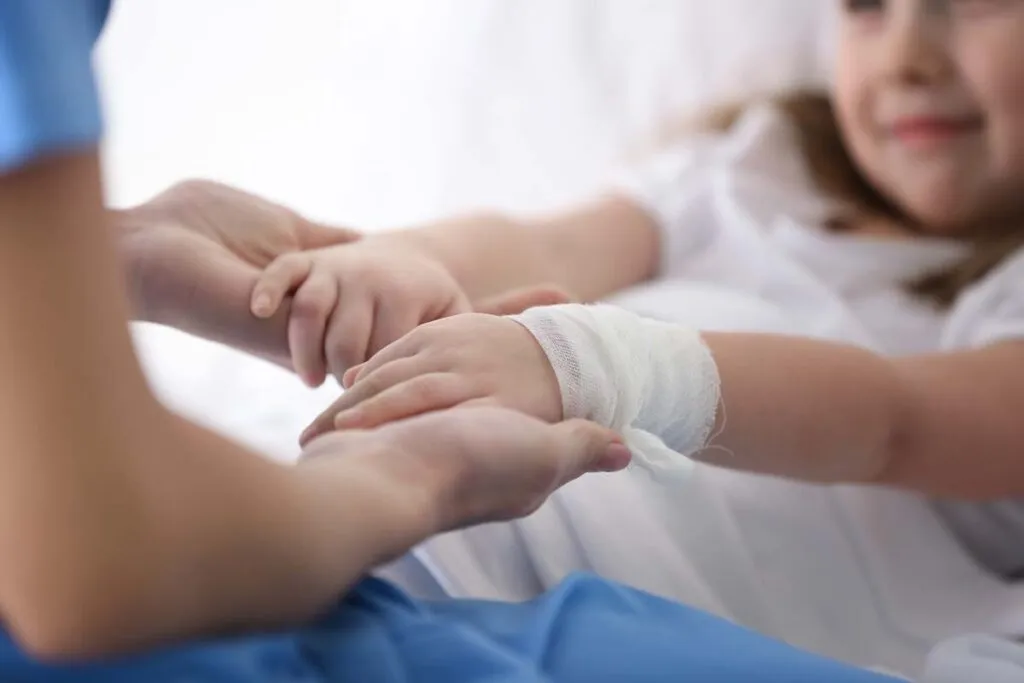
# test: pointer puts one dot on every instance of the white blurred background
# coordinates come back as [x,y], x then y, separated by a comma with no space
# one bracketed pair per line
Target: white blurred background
[379,113]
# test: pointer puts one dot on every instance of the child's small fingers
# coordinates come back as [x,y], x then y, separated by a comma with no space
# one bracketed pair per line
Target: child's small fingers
[348,332]
[386,377]
[391,324]
[323,423]
[381,379]
[407,347]
[311,307]
[349,378]
[280,277]
[421,394]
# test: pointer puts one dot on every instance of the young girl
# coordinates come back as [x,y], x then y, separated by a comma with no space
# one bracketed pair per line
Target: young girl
[124,527]
[852,261]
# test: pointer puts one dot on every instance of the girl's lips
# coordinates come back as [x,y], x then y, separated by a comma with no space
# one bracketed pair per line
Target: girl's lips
[929,131]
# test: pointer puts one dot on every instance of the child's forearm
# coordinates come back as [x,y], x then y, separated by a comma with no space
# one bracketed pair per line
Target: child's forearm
[770,404]
[806,409]
[800,408]
[942,424]
[590,252]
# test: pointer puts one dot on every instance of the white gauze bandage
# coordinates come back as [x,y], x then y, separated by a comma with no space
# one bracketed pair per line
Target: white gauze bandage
[655,383]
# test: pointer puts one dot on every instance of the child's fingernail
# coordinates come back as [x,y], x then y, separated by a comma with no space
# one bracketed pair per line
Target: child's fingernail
[346,418]
[261,306]
[308,434]
[616,457]
[349,378]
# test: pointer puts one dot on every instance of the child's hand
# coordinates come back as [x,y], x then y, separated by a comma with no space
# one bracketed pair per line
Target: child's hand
[469,359]
[353,300]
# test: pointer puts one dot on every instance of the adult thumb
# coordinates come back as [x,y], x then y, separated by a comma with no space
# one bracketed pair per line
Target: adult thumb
[589,447]
[518,300]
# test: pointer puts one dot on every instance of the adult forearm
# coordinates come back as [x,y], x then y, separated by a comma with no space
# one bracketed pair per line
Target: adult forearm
[591,251]
[234,541]
[121,525]
[186,533]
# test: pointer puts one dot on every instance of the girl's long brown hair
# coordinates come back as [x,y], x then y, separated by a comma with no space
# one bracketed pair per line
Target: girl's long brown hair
[834,172]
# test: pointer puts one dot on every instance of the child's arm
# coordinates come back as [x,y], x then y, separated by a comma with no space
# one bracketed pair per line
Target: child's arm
[590,251]
[944,424]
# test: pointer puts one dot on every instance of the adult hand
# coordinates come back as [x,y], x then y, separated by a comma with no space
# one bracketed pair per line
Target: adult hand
[480,464]
[194,252]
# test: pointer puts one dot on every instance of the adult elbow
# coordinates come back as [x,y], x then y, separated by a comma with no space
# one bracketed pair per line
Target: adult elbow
[78,614]
[61,639]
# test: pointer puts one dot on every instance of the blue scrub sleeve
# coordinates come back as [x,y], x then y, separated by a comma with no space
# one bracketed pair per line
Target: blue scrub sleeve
[48,99]
[586,630]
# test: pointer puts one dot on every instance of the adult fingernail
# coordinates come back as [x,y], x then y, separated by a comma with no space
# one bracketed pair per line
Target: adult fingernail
[616,457]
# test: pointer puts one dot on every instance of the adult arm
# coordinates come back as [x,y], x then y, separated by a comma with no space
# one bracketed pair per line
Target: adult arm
[122,525]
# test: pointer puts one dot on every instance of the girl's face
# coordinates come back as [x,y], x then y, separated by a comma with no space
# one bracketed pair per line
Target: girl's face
[930,99]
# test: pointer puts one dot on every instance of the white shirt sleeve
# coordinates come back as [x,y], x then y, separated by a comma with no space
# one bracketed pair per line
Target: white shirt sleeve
[673,186]
[992,311]
[688,186]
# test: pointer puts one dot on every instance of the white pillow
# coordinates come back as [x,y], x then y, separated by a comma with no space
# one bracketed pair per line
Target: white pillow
[392,111]
[526,103]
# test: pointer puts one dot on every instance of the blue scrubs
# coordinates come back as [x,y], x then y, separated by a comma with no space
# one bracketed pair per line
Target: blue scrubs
[48,97]
[585,630]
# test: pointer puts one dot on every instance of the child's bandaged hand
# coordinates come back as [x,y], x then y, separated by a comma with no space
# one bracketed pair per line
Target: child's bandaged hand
[351,301]
[468,359]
